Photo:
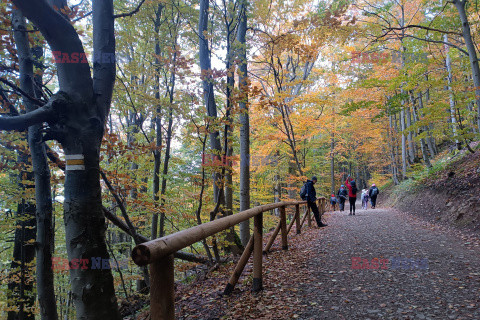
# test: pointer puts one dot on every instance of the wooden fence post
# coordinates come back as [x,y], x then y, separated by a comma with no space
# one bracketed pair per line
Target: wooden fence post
[272,237]
[283,221]
[304,217]
[291,224]
[297,219]
[162,289]
[257,252]
[239,267]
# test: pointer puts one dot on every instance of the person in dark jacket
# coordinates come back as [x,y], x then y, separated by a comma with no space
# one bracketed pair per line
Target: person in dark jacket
[352,193]
[342,197]
[373,193]
[311,198]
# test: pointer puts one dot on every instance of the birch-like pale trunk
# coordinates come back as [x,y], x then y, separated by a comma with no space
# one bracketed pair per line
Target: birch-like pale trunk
[448,64]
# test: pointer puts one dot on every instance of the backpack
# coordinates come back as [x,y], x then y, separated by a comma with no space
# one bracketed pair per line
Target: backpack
[303,192]
[374,191]
[354,187]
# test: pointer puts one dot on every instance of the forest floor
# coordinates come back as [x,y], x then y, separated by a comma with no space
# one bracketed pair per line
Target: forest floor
[320,276]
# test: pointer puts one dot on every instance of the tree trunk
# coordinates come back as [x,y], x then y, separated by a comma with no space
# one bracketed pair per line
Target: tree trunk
[44,208]
[332,163]
[158,125]
[416,118]
[404,144]
[411,145]
[209,98]
[76,117]
[245,123]
[472,53]
[20,287]
[448,64]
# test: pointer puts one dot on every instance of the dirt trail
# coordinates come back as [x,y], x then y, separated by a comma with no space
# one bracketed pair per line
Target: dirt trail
[448,288]
[315,278]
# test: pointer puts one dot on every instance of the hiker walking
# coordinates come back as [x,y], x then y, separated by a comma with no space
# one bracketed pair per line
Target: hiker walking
[365,198]
[352,193]
[310,195]
[342,197]
[373,193]
[333,201]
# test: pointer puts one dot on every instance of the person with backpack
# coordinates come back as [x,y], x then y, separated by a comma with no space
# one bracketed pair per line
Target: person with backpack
[365,198]
[333,201]
[308,193]
[352,193]
[342,197]
[373,193]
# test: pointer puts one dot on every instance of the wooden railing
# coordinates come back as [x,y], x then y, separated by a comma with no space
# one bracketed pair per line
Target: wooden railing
[159,253]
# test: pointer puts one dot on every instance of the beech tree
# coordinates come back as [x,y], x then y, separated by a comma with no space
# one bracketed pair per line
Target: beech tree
[75,117]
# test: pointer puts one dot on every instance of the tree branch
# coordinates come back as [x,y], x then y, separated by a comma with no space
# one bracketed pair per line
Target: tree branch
[23,93]
[424,28]
[22,122]
[74,78]
[439,41]
[131,13]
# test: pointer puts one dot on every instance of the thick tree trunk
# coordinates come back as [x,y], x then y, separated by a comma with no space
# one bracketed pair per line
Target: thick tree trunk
[76,117]
[472,53]
[209,98]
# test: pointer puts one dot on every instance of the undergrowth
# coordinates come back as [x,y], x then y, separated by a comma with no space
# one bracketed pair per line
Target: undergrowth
[419,174]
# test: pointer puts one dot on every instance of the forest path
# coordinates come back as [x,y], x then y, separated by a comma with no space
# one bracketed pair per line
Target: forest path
[444,285]
[315,279]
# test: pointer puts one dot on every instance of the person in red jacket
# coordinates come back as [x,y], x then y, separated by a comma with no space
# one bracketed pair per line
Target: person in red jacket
[352,194]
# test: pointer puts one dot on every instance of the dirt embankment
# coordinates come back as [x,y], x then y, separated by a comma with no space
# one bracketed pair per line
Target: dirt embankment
[451,196]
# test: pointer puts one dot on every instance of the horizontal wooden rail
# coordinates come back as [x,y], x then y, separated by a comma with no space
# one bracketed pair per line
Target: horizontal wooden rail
[157,249]
[158,253]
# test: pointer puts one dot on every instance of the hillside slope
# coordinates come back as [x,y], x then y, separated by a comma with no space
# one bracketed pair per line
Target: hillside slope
[449,193]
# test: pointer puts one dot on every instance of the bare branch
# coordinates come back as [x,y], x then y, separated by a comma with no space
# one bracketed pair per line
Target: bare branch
[23,93]
[84,16]
[131,13]
[410,26]
[439,41]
